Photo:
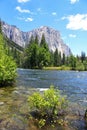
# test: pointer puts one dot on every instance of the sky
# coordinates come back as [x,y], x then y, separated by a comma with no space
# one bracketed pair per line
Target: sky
[69,17]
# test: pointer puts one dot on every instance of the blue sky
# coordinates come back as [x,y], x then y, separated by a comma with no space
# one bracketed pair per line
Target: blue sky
[67,16]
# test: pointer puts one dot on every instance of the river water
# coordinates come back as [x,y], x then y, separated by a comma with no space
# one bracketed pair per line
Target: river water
[13,100]
[72,83]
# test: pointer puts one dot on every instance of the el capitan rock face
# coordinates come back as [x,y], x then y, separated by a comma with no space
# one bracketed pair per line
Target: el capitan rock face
[52,37]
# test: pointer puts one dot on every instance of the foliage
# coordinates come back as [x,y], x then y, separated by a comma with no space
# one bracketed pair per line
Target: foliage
[56,57]
[85,65]
[14,50]
[47,105]
[31,55]
[72,62]
[80,66]
[7,65]
[10,48]
[36,56]
[44,58]
[36,40]
[63,59]
[42,122]
[7,70]
[83,56]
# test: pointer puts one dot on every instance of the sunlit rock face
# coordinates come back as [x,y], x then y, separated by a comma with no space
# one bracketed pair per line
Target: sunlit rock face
[52,36]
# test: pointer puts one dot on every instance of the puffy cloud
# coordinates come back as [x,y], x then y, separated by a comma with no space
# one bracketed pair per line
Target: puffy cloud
[76,22]
[22,10]
[25,19]
[54,13]
[72,35]
[29,19]
[73,1]
[23,1]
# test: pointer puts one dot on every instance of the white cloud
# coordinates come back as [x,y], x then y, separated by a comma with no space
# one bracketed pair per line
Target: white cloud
[54,13]
[25,19]
[22,10]
[72,35]
[73,1]
[29,19]
[23,1]
[76,22]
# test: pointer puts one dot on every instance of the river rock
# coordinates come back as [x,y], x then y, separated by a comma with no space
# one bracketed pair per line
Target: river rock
[16,92]
[1,103]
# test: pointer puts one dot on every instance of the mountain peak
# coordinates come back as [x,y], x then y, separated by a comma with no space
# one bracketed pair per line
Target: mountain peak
[52,37]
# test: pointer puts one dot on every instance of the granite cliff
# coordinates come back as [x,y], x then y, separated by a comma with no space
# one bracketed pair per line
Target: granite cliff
[52,36]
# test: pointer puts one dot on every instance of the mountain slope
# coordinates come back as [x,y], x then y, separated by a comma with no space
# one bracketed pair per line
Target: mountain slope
[12,44]
[52,37]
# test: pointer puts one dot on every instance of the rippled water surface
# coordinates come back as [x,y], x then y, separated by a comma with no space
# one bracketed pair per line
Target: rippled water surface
[14,107]
[72,83]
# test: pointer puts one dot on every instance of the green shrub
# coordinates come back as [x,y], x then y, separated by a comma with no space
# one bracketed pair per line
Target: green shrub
[7,66]
[80,66]
[46,106]
[7,70]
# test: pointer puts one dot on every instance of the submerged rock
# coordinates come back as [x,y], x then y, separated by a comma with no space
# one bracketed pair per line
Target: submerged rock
[16,92]
[1,103]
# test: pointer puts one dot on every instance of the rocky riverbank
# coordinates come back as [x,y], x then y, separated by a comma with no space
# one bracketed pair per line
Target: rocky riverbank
[14,112]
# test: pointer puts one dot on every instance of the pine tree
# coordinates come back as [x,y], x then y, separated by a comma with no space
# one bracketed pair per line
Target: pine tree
[37,56]
[63,59]
[56,57]
[72,62]
[44,53]
[43,43]
[42,40]
[83,56]
[31,40]
[59,59]
[36,40]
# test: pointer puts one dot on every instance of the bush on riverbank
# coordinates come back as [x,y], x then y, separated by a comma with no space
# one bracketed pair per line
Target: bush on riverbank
[47,106]
[7,66]
[7,71]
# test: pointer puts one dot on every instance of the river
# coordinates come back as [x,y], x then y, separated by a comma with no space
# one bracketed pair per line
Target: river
[13,100]
[72,83]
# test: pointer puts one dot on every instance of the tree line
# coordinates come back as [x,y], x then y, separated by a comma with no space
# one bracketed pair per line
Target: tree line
[38,55]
